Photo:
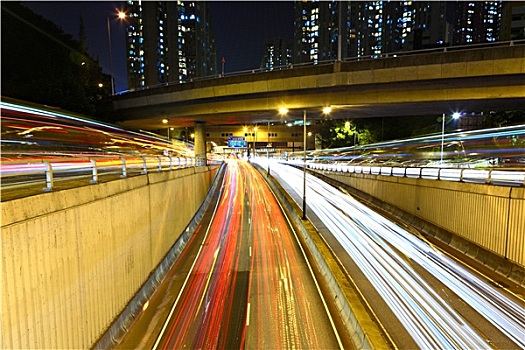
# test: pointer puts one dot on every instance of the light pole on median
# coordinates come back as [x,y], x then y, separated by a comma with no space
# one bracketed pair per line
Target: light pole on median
[268,150]
[304,165]
[283,111]
[255,128]
[166,121]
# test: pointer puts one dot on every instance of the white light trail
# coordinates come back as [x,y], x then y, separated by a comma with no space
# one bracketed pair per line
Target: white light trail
[369,239]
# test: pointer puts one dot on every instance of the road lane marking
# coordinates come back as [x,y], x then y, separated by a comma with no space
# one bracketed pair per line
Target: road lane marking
[215,255]
[248,315]
[170,315]
[325,305]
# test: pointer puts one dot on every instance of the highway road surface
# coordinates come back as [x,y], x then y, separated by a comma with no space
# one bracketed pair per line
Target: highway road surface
[241,282]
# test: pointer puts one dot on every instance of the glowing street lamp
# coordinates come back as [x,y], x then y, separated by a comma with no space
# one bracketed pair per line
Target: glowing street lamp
[165,121]
[120,15]
[455,116]
[284,111]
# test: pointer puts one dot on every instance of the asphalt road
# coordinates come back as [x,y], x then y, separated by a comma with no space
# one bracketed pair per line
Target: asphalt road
[241,282]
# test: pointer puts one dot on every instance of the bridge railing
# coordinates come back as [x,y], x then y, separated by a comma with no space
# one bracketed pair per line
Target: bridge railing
[493,176]
[77,171]
[439,49]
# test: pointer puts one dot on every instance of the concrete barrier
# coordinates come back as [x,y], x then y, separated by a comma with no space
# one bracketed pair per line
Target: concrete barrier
[73,259]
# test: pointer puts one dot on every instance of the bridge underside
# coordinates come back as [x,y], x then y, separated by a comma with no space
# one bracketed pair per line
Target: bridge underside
[347,112]
[349,102]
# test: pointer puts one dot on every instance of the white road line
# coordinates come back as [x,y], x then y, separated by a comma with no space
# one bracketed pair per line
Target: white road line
[170,315]
[248,315]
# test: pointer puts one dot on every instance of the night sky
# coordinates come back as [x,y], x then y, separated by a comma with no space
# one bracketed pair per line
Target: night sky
[241,30]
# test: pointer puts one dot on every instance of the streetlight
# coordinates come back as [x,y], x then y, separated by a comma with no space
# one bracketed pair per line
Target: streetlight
[255,128]
[282,111]
[304,165]
[165,121]
[120,15]
[455,116]
[268,150]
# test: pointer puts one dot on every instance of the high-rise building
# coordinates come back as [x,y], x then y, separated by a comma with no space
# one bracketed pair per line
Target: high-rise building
[368,28]
[513,21]
[477,22]
[316,30]
[375,28]
[379,27]
[278,54]
[168,41]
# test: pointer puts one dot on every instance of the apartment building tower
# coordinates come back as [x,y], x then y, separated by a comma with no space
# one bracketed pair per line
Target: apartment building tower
[278,55]
[477,21]
[168,41]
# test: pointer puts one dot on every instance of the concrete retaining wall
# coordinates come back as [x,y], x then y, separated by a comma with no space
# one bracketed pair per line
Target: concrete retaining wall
[71,260]
[485,216]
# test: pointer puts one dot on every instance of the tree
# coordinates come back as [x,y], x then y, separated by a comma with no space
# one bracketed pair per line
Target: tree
[504,118]
[363,131]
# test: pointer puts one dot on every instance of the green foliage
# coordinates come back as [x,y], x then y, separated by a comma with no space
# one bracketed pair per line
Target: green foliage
[340,133]
[42,64]
[504,118]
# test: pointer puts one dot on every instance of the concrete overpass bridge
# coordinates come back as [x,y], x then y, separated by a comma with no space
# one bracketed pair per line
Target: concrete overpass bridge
[488,78]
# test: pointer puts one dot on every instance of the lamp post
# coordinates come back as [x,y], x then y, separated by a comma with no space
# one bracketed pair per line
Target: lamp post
[255,128]
[283,111]
[268,150]
[339,42]
[455,116]
[165,121]
[304,165]
[120,15]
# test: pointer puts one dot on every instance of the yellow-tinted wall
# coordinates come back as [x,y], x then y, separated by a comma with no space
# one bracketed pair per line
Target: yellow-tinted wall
[492,217]
[72,259]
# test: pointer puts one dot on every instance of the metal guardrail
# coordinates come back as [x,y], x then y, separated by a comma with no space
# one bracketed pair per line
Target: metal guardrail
[28,172]
[500,177]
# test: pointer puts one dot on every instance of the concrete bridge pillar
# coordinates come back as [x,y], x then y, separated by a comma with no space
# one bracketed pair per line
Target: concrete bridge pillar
[200,144]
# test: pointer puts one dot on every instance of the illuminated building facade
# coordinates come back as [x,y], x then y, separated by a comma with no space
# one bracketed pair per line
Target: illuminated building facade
[379,27]
[375,28]
[278,54]
[168,41]
[477,22]
[368,28]
[316,30]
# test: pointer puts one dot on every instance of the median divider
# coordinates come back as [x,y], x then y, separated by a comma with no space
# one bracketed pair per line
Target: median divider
[363,330]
